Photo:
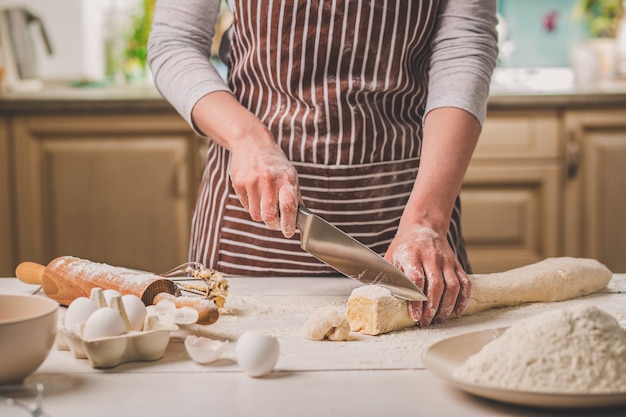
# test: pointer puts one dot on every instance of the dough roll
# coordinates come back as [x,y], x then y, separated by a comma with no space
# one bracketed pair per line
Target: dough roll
[373,310]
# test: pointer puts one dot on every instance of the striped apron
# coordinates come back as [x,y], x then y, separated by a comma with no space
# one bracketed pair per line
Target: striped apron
[342,86]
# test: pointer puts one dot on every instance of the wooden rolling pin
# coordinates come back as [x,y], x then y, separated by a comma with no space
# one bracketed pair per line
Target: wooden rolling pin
[66,278]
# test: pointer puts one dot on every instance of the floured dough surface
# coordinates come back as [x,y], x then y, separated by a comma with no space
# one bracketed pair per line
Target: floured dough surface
[553,279]
[373,310]
[328,323]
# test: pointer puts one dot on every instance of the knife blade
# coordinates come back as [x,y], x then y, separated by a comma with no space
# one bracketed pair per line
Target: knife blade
[350,257]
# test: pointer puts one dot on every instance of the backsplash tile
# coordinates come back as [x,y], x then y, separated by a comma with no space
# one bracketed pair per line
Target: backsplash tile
[540,33]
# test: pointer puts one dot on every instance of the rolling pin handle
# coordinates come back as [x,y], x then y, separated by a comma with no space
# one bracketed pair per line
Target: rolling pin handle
[30,272]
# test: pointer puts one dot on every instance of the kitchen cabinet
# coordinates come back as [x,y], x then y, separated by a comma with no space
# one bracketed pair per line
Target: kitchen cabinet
[510,196]
[595,195]
[6,233]
[114,188]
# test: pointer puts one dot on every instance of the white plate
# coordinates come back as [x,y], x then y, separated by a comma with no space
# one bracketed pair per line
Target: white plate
[445,356]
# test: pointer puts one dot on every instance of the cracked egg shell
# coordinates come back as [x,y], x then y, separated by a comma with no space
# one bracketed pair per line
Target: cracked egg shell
[204,350]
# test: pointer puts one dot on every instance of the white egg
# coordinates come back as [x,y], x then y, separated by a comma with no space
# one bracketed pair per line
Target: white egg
[135,310]
[77,314]
[109,294]
[104,322]
[257,353]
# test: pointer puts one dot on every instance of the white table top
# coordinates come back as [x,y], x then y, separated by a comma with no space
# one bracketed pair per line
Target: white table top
[366,376]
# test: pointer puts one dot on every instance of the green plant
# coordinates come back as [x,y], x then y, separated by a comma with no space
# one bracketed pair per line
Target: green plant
[602,16]
[137,43]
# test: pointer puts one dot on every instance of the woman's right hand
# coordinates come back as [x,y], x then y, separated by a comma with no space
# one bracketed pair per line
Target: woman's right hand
[266,184]
[262,176]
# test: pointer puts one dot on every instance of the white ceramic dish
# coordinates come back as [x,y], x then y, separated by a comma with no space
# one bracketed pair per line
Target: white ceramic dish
[445,356]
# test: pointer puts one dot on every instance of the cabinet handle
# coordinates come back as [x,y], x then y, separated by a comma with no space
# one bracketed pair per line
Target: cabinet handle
[572,155]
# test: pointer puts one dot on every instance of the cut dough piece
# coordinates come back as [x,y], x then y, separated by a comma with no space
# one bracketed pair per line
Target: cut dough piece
[376,311]
[328,324]
[373,310]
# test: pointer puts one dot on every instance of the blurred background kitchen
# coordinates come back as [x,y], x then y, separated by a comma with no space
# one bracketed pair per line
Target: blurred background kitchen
[95,164]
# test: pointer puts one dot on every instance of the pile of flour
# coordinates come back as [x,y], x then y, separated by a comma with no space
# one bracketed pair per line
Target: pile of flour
[580,350]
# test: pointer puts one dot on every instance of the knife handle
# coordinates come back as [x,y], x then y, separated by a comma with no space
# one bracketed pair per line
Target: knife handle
[303,214]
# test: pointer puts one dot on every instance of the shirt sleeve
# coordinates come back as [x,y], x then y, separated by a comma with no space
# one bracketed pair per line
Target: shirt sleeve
[179,52]
[464,55]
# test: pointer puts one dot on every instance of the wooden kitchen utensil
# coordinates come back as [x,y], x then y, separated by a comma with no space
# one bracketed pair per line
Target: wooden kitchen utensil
[66,278]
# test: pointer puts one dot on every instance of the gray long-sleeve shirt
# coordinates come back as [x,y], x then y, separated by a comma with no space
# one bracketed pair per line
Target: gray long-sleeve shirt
[463,57]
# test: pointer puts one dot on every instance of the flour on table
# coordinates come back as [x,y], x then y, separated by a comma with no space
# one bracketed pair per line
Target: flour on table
[575,350]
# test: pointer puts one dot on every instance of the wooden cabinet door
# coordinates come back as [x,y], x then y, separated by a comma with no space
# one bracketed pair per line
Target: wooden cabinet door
[596,193]
[510,215]
[118,190]
[7,260]
[511,195]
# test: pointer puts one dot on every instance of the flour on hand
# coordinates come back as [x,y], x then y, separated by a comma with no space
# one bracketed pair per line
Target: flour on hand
[576,351]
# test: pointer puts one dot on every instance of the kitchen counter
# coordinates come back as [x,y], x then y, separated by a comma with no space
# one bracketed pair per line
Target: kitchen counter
[62,98]
[511,89]
[551,88]
[366,376]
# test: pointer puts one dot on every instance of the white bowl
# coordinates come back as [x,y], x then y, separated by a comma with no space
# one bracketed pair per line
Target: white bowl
[28,327]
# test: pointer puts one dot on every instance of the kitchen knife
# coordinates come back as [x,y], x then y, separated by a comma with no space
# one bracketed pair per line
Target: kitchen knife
[348,256]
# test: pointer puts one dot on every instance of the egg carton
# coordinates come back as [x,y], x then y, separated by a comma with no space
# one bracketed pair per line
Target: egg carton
[90,329]
[108,352]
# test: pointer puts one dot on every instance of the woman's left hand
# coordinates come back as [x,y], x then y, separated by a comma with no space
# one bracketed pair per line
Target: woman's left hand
[425,256]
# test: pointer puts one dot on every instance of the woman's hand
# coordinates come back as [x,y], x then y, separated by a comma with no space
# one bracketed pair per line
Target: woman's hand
[266,184]
[262,176]
[425,256]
